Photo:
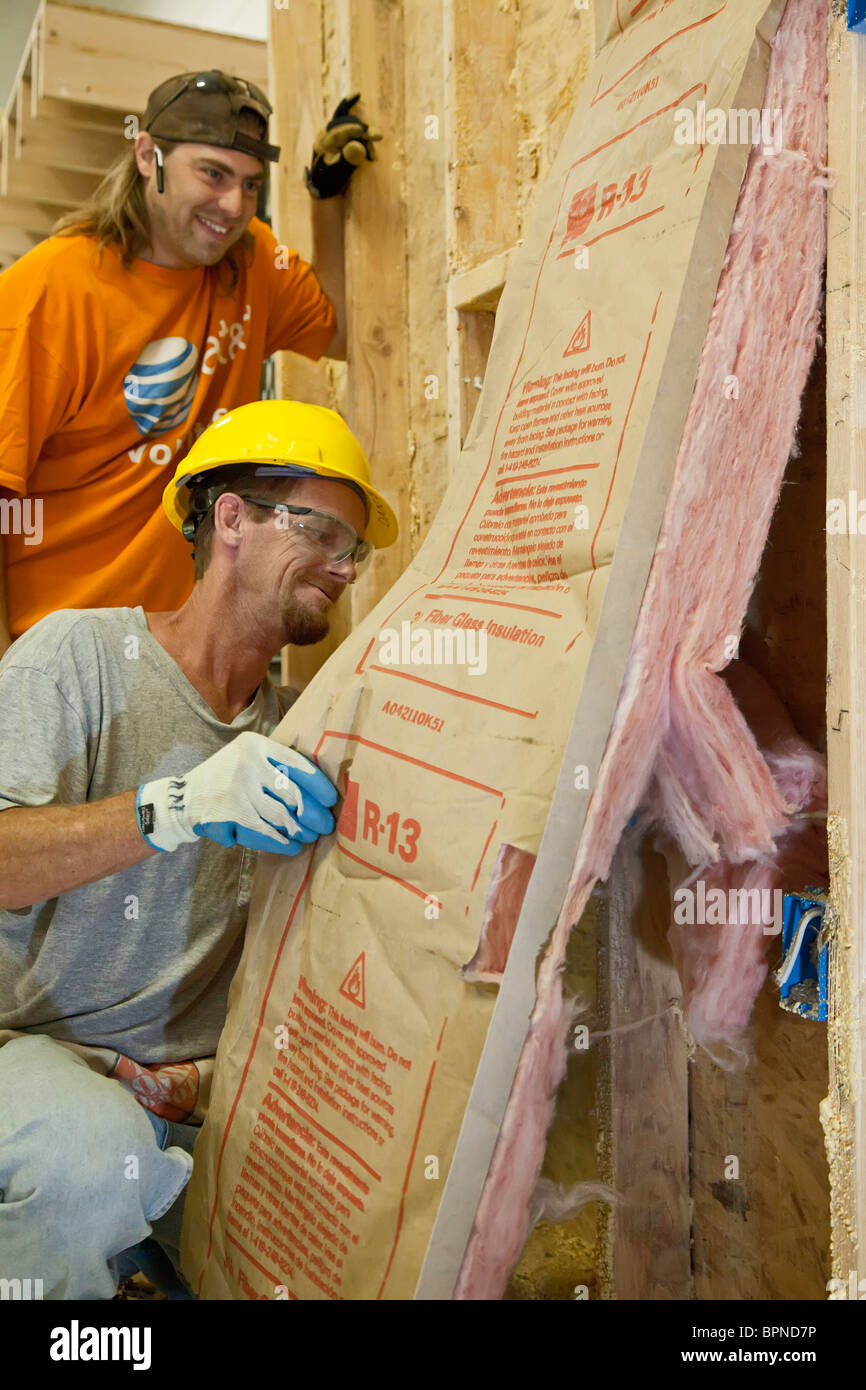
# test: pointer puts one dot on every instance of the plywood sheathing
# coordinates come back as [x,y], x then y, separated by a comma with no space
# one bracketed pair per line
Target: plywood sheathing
[554,54]
[514,72]
[486,133]
[644,1106]
[518,68]
[761,1228]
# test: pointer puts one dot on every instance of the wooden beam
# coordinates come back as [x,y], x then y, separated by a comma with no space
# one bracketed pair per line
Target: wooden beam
[425,158]
[479,290]
[844,1111]
[376,253]
[114,60]
[295,69]
[313,50]
[295,56]
[454,395]
[643,1101]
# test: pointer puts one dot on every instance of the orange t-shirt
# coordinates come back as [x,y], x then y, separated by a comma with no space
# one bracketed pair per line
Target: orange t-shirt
[107,376]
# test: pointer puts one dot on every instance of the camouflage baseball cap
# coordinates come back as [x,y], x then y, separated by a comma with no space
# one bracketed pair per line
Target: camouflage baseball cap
[207,108]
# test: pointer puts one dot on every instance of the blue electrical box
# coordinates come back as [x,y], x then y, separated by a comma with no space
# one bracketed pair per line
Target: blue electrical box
[803,975]
[857,16]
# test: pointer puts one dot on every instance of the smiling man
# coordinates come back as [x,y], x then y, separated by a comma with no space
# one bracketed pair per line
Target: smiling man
[137,781]
[143,319]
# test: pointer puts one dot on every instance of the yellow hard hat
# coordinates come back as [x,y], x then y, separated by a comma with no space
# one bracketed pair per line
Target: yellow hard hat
[288,433]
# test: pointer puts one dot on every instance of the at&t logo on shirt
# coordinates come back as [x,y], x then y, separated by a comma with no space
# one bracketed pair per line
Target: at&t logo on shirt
[158,389]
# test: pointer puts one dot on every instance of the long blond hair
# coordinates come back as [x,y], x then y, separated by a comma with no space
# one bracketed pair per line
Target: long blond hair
[116,215]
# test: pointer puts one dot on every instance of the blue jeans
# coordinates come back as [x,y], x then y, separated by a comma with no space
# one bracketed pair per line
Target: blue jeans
[91,1183]
[158,1257]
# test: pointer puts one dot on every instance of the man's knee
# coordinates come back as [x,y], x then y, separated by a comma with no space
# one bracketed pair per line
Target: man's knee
[79,1144]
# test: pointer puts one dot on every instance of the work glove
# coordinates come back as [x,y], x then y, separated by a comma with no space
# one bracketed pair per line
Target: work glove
[338,149]
[254,792]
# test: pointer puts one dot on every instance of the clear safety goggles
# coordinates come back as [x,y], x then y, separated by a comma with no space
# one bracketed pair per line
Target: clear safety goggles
[336,540]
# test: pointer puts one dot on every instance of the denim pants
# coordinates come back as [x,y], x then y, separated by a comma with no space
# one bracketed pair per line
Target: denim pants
[91,1183]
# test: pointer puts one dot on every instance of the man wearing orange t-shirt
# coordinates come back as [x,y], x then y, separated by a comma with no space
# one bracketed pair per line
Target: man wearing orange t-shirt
[143,320]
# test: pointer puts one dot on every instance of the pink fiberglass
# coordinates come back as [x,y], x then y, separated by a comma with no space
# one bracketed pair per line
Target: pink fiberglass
[723,966]
[508,883]
[678,745]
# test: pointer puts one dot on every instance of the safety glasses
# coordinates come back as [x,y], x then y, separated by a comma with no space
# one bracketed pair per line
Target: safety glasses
[335,539]
[209,82]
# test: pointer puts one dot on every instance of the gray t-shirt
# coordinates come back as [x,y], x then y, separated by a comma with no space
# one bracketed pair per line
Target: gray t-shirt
[90,706]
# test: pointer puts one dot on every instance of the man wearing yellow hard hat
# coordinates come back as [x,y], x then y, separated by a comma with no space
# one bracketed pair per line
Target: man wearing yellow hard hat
[141,781]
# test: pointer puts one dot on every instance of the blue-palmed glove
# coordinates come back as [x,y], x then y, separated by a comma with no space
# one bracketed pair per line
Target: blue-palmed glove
[254,792]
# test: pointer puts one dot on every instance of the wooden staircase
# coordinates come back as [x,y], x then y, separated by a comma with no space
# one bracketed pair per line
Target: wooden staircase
[80,89]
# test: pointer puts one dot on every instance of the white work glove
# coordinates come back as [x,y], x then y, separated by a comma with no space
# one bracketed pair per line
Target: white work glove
[254,792]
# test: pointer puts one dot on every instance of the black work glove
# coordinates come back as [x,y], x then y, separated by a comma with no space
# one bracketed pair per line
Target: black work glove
[338,149]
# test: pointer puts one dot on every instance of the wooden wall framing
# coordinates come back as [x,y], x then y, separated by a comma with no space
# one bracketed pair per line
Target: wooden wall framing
[473,100]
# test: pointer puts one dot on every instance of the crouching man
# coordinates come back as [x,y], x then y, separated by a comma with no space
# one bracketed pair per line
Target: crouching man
[138,781]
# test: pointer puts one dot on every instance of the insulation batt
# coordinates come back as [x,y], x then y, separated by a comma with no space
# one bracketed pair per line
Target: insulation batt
[508,884]
[679,745]
[722,968]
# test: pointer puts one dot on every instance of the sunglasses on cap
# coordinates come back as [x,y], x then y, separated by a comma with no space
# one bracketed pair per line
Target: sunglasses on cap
[211,82]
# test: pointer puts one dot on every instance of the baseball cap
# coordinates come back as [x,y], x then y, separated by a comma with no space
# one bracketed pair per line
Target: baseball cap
[207,108]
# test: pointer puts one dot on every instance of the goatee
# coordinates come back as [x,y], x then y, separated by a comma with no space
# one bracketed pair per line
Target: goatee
[303,628]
